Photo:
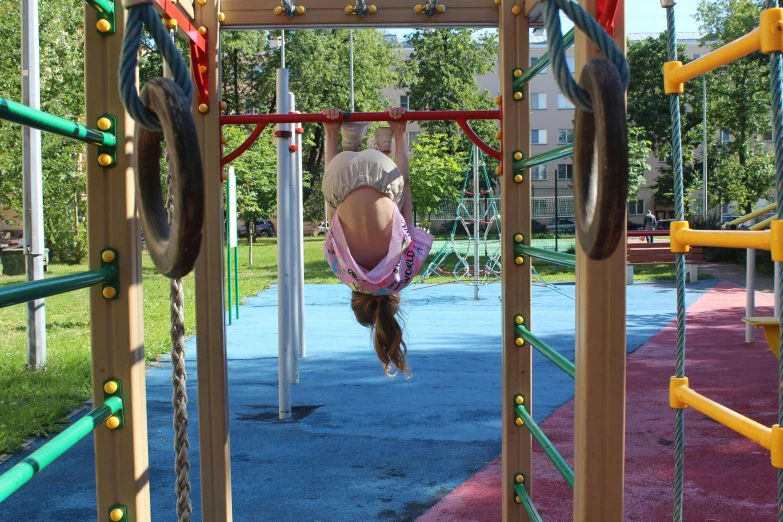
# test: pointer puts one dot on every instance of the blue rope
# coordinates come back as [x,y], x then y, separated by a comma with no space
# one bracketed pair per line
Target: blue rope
[776,90]
[138,17]
[557,48]
[679,211]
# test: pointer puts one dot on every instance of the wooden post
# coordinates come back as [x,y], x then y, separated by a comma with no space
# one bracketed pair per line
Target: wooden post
[599,439]
[516,283]
[214,447]
[116,326]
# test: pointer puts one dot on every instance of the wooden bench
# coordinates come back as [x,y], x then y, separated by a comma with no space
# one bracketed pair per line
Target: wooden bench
[640,253]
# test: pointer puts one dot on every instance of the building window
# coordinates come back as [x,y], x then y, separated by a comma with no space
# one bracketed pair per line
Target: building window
[405,102]
[768,136]
[538,101]
[565,171]
[533,60]
[412,137]
[696,56]
[538,173]
[538,136]
[570,62]
[565,136]
[563,102]
[725,136]
[636,208]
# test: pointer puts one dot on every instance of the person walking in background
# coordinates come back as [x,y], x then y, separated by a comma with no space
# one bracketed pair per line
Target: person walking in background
[649,224]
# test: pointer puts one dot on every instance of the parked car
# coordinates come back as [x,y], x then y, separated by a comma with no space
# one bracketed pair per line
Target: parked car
[320,228]
[264,228]
[664,224]
[538,227]
[727,218]
[11,239]
[564,225]
[635,226]
[448,226]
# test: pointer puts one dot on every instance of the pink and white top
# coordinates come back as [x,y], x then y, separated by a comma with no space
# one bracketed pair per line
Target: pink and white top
[408,249]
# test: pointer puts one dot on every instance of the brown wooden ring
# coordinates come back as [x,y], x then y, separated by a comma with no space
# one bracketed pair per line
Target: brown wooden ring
[601,161]
[173,247]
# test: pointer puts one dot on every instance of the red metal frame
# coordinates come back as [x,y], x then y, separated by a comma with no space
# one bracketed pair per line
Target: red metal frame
[643,233]
[198,48]
[606,12]
[262,120]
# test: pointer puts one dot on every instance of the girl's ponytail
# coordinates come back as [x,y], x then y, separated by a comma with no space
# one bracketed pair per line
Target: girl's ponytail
[378,313]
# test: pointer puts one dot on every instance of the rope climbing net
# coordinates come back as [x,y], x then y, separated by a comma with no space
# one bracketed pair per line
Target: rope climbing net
[472,206]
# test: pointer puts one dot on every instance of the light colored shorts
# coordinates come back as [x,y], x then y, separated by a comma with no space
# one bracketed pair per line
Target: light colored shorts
[369,168]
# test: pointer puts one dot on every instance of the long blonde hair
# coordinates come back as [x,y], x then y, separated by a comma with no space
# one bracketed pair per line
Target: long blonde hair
[378,313]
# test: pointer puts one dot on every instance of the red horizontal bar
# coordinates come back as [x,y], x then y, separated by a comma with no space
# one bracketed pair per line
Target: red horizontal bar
[170,10]
[243,119]
[641,233]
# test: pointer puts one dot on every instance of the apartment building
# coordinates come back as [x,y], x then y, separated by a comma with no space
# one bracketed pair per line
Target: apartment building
[551,122]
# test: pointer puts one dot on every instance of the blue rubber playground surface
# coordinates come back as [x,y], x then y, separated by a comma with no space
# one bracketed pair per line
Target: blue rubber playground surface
[361,447]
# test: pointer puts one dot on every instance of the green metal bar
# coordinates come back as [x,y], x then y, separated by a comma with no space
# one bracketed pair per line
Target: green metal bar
[527,503]
[547,255]
[541,63]
[546,444]
[102,6]
[546,350]
[545,157]
[43,288]
[20,474]
[22,114]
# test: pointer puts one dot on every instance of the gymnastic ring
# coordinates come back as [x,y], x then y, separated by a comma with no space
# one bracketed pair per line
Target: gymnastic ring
[601,161]
[173,247]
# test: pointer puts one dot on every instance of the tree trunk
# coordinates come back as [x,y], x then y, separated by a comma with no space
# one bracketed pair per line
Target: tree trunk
[251,233]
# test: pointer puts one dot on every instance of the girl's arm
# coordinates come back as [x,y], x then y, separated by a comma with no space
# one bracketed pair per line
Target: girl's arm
[402,159]
[332,133]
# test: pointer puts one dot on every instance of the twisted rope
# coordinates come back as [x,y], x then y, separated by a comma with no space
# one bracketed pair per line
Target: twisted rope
[557,48]
[138,17]
[679,211]
[776,90]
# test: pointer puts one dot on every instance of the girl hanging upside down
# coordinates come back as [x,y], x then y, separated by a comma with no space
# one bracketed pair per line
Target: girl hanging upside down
[372,245]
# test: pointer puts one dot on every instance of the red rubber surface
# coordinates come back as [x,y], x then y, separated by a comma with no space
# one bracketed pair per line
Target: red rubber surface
[727,477]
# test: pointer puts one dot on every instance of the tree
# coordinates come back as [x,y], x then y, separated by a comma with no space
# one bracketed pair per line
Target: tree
[638,153]
[435,173]
[440,74]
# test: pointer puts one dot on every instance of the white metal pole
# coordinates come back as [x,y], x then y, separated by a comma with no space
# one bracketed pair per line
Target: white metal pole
[704,146]
[292,256]
[476,228]
[351,66]
[282,50]
[283,238]
[299,200]
[750,289]
[32,185]
[777,285]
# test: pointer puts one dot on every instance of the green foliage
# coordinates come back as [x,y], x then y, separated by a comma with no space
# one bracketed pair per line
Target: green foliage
[638,152]
[435,173]
[256,172]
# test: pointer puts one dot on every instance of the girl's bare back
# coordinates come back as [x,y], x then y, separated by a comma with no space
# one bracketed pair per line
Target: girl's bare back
[366,217]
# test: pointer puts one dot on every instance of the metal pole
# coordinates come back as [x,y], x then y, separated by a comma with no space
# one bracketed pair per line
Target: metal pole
[352,95]
[476,227]
[228,254]
[704,146]
[32,182]
[236,280]
[283,272]
[282,53]
[300,245]
[777,285]
[750,289]
[292,251]
[556,212]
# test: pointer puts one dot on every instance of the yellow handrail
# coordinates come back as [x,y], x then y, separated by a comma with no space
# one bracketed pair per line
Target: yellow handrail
[682,238]
[755,213]
[761,225]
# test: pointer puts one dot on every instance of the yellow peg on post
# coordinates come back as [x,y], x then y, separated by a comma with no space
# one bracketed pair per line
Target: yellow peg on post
[498,135]
[499,170]
[519,260]
[203,108]
[348,9]
[108,256]
[223,140]
[278,10]
[418,9]
[498,100]
[104,160]
[372,9]
[301,10]
[111,387]
[519,178]
[113,422]
[517,96]
[441,8]
[116,514]
[202,30]
[202,68]
[518,156]
[104,124]
[516,10]
[223,106]
[109,293]
[103,26]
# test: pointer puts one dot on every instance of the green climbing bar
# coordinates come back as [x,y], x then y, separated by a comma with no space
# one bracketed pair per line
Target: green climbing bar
[545,157]
[546,444]
[24,115]
[43,288]
[527,503]
[102,6]
[547,255]
[541,63]
[546,350]
[20,474]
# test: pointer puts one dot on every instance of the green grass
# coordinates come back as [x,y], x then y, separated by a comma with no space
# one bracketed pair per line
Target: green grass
[35,403]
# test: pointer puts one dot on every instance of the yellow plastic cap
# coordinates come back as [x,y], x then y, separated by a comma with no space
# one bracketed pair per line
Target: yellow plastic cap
[202,68]
[516,10]
[519,178]
[519,238]
[418,9]
[519,341]
[520,422]
[202,30]
[499,170]
[103,26]
[520,479]
[671,85]
[517,500]
[108,256]
[441,8]
[519,400]
[675,236]
[278,10]
[497,2]
[223,106]
[776,446]
[104,160]
[170,23]
[776,240]
[111,387]
[772,30]
[518,156]
[223,140]
[348,9]
[221,17]
[498,135]
[373,9]
[113,423]
[109,292]
[223,176]
[517,73]
[116,515]
[203,108]
[518,96]
[519,260]
[301,9]
[674,384]
[519,319]
[104,124]
[498,100]
[202,2]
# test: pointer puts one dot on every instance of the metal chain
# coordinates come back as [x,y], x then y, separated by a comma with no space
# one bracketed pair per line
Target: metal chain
[679,210]
[557,48]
